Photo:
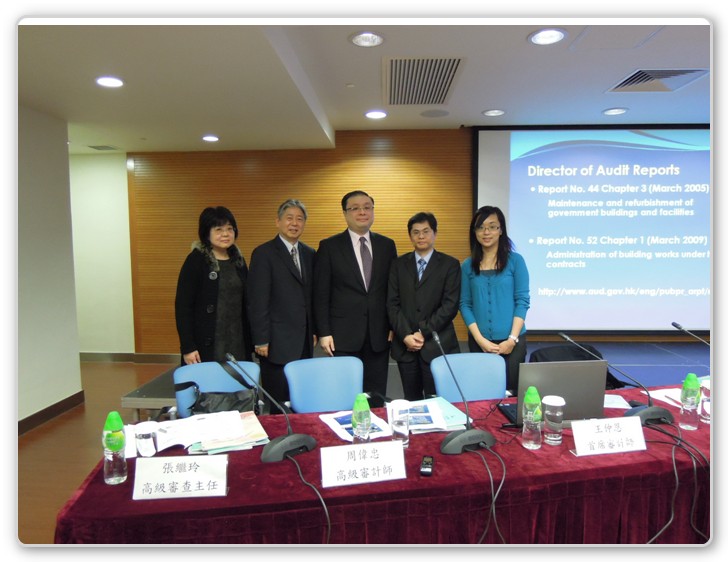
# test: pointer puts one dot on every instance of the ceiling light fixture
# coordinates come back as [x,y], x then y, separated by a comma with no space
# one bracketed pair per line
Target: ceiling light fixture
[547,36]
[376,114]
[109,82]
[210,138]
[615,111]
[366,39]
[493,112]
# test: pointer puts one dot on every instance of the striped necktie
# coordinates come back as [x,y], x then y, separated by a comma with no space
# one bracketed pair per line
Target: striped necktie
[294,255]
[421,269]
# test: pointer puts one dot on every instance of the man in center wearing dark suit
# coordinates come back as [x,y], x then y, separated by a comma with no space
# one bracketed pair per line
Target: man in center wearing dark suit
[351,273]
[424,296]
[280,300]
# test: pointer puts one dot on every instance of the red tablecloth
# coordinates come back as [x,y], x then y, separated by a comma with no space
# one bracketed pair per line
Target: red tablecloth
[549,496]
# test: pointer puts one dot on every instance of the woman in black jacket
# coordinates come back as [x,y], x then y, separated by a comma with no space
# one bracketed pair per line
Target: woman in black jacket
[210,305]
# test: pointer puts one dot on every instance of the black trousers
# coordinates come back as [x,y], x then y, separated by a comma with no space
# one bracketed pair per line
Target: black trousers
[417,381]
[513,360]
[274,381]
[376,371]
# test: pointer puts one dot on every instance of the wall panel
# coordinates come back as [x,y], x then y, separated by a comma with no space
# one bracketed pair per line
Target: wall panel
[404,171]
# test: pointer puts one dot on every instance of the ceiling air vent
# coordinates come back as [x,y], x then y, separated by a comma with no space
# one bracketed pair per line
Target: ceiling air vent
[658,80]
[104,147]
[419,81]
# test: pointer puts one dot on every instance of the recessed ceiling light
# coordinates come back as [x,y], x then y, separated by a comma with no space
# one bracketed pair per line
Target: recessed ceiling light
[109,82]
[210,138]
[376,114]
[615,111]
[547,36]
[493,112]
[366,39]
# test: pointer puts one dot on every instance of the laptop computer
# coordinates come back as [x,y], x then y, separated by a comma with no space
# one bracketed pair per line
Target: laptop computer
[580,383]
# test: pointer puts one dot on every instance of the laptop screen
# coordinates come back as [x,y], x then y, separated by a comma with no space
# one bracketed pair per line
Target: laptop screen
[580,383]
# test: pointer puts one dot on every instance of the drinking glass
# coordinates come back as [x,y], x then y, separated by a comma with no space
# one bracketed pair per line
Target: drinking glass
[399,420]
[704,408]
[553,419]
[145,434]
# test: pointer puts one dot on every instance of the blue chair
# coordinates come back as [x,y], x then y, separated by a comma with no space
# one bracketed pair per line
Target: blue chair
[324,384]
[210,377]
[481,376]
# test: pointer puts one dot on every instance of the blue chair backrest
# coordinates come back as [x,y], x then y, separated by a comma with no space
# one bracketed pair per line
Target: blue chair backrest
[482,376]
[210,377]
[324,384]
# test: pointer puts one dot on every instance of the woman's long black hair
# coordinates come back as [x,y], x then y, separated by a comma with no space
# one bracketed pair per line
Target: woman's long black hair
[505,245]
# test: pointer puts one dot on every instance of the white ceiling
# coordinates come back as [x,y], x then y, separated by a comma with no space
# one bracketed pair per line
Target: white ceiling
[294,86]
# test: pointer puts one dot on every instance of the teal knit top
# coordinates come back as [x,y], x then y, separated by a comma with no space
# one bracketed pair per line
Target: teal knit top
[492,299]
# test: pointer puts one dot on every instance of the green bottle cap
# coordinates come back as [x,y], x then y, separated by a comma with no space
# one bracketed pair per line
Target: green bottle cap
[691,381]
[361,402]
[531,395]
[113,422]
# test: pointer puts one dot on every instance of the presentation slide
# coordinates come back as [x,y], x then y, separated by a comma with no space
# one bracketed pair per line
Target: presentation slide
[614,225]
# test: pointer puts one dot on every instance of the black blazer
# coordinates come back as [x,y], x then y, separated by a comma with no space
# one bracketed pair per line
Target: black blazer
[426,305]
[280,301]
[195,303]
[342,306]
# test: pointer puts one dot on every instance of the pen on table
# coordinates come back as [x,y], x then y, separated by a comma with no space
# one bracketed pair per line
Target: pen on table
[671,399]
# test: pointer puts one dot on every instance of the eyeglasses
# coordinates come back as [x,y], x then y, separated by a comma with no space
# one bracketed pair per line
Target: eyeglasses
[365,208]
[488,228]
[227,229]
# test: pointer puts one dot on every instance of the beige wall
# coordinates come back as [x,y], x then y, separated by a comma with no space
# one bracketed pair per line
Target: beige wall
[100,210]
[48,361]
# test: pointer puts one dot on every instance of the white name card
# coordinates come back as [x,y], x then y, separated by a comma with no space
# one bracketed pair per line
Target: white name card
[180,477]
[347,465]
[610,435]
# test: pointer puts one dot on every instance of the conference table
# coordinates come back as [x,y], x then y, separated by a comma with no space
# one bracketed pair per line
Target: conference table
[545,496]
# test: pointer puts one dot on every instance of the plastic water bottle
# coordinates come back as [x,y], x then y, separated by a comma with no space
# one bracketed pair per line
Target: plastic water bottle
[114,441]
[531,435]
[690,398]
[361,419]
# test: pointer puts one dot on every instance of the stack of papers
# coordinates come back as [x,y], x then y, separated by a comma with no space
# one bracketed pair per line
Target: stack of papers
[425,416]
[204,433]
[435,414]
[246,435]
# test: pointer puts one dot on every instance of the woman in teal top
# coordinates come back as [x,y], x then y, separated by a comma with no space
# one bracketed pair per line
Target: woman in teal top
[495,294]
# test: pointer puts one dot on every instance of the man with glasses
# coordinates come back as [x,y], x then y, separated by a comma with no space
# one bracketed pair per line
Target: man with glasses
[424,296]
[351,273]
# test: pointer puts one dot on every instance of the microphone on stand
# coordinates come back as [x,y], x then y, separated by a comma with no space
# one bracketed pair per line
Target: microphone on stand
[649,414]
[466,439]
[284,445]
[679,327]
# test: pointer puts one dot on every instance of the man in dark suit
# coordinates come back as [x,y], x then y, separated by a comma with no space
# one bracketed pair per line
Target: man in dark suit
[280,296]
[351,273]
[424,296]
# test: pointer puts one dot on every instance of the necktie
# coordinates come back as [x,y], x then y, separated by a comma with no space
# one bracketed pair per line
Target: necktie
[421,269]
[366,261]
[294,255]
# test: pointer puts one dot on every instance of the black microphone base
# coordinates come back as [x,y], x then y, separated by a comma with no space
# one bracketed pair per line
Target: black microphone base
[650,415]
[465,440]
[287,445]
